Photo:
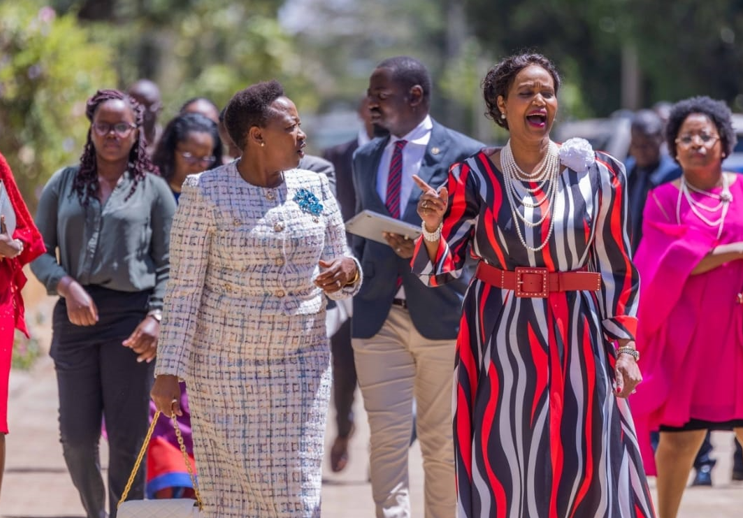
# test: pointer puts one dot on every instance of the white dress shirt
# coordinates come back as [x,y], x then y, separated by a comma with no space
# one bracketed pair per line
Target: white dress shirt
[412,158]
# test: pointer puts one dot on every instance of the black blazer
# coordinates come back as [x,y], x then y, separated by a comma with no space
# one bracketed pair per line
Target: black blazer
[435,312]
[341,156]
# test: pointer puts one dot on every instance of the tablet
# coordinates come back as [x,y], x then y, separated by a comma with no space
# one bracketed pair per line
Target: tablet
[370,225]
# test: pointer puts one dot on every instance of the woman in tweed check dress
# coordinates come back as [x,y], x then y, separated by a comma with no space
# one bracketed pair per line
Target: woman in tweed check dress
[255,246]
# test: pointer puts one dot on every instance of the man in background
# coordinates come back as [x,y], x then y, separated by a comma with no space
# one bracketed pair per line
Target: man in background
[344,369]
[404,334]
[147,93]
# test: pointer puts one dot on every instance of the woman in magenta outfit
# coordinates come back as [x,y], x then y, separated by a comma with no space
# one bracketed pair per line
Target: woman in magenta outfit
[690,332]
[18,248]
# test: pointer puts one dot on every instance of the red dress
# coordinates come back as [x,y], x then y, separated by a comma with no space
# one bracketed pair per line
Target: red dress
[12,280]
[538,432]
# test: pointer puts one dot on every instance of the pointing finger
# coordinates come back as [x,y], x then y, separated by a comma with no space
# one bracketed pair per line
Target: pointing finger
[423,185]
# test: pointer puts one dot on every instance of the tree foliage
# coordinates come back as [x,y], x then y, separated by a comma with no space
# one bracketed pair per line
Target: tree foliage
[48,68]
[684,47]
[207,48]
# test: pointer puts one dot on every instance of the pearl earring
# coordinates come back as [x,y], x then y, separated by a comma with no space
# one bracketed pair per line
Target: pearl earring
[502,115]
[263,144]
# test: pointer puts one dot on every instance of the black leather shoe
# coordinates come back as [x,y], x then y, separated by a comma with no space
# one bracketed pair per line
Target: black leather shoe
[703,476]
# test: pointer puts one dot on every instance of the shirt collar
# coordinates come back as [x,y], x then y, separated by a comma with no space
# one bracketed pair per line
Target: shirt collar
[363,138]
[418,135]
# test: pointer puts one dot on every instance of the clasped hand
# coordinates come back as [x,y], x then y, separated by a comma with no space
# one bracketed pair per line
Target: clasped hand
[338,273]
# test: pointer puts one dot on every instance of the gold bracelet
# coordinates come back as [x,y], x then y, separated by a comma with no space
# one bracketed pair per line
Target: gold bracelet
[355,278]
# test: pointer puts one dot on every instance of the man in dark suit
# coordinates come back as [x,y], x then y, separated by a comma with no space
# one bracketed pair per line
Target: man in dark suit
[403,333]
[647,167]
[344,369]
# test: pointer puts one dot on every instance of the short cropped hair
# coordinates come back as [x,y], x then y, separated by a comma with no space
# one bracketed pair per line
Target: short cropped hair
[250,107]
[193,100]
[648,123]
[500,78]
[717,111]
[408,72]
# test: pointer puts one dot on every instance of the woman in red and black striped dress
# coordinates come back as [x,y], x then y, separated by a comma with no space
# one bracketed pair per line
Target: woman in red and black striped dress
[544,359]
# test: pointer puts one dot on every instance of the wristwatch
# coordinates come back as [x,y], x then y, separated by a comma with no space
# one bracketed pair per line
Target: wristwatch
[628,350]
[157,314]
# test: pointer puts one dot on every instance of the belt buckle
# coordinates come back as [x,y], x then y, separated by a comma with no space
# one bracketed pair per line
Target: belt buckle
[521,272]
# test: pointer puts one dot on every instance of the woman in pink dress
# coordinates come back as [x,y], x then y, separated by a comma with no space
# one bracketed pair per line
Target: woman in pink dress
[690,332]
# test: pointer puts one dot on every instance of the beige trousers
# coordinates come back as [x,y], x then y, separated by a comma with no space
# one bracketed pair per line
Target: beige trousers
[394,366]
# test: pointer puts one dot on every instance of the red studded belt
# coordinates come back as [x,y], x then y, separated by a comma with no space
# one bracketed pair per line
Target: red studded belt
[529,282]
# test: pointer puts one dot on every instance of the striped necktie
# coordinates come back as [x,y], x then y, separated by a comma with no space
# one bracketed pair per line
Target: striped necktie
[394,180]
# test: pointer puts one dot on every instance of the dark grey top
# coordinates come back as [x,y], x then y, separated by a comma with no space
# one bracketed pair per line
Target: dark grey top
[122,245]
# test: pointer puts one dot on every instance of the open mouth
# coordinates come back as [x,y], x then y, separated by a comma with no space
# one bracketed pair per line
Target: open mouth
[537,120]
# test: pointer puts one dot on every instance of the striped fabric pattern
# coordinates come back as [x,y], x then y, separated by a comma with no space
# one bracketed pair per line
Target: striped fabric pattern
[394,180]
[538,430]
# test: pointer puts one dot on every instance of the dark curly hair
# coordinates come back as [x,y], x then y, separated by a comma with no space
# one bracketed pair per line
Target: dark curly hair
[717,111]
[500,77]
[408,72]
[85,183]
[250,107]
[177,131]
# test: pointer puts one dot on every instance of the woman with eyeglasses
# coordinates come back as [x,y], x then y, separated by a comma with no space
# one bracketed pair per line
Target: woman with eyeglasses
[190,144]
[106,228]
[690,332]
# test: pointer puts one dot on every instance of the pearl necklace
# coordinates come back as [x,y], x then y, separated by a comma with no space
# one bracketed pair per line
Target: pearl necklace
[723,206]
[545,174]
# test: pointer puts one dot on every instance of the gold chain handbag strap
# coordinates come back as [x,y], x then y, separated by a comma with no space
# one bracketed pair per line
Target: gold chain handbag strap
[142,452]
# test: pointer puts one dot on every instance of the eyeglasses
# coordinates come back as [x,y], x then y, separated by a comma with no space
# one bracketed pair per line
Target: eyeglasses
[192,160]
[122,129]
[706,140]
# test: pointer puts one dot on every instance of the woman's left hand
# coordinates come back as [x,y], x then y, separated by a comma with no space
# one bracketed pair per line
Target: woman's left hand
[143,340]
[338,273]
[627,375]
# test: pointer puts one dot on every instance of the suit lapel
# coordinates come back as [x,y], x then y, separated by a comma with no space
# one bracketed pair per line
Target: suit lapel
[435,151]
[370,178]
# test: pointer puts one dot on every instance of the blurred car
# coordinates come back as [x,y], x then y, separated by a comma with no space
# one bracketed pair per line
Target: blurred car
[735,161]
[610,135]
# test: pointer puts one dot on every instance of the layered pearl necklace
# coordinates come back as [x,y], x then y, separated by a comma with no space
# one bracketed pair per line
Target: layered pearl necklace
[698,208]
[545,178]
